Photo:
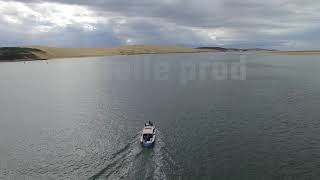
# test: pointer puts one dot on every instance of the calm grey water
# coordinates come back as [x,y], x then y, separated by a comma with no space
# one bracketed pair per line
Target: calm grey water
[81,119]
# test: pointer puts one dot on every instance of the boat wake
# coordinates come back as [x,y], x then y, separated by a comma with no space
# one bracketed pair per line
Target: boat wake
[135,162]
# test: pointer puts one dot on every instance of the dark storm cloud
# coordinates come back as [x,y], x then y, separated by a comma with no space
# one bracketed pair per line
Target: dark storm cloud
[283,24]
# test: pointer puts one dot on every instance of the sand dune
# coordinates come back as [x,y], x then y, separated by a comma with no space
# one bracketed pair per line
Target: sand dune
[53,52]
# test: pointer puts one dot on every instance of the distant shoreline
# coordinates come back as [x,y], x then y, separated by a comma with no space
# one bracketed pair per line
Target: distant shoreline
[46,53]
[32,53]
[295,53]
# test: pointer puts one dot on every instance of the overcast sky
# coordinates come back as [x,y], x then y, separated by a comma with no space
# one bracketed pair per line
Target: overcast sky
[277,24]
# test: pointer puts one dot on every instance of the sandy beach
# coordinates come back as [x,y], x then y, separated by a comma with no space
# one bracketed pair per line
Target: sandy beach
[53,52]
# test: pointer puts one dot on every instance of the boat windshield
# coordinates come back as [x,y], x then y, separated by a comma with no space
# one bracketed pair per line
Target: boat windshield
[147,137]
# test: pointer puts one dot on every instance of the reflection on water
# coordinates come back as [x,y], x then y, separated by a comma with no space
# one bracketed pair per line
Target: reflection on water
[72,119]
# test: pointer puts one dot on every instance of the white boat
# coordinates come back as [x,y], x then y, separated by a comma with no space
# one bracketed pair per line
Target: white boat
[148,136]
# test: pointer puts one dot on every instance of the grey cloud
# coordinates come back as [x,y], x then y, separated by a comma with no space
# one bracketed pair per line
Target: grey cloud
[272,23]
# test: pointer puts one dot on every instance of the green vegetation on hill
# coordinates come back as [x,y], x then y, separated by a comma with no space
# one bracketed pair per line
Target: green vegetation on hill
[20,53]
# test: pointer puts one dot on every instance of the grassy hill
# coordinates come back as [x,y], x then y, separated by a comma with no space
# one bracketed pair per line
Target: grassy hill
[21,53]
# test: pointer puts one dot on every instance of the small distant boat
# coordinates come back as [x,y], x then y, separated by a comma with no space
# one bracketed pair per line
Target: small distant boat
[148,136]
